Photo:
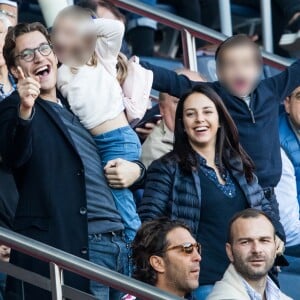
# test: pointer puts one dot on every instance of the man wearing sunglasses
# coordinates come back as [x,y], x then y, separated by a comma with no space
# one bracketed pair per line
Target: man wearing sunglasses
[166,255]
[251,249]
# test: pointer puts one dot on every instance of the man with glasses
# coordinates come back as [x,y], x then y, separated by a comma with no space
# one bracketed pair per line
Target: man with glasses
[251,249]
[166,255]
[64,199]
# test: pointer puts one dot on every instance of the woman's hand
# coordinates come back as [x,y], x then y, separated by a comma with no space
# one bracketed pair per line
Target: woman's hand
[121,173]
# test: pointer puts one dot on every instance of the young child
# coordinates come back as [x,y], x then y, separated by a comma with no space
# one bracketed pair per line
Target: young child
[88,49]
[253,103]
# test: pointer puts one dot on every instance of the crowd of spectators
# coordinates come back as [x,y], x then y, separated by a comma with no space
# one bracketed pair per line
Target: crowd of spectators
[200,200]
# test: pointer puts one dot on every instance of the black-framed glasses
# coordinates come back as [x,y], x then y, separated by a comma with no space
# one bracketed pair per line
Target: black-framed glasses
[187,248]
[28,55]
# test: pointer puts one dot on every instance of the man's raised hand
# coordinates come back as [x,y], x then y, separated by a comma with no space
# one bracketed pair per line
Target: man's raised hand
[29,90]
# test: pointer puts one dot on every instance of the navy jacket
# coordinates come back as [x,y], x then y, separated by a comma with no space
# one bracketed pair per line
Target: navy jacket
[257,124]
[176,194]
[48,174]
[291,145]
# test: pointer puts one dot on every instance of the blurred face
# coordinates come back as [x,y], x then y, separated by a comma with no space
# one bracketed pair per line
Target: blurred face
[12,13]
[200,120]
[42,68]
[168,110]
[3,32]
[70,45]
[180,270]
[253,248]
[292,107]
[239,70]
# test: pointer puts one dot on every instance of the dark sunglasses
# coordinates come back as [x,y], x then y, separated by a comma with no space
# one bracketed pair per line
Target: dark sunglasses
[187,248]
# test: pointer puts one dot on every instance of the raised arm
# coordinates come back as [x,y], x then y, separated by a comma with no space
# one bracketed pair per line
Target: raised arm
[284,83]
[110,35]
[167,81]
[16,116]
[157,192]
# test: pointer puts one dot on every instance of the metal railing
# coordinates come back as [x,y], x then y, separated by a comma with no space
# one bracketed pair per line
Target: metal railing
[266,16]
[189,31]
[59,261]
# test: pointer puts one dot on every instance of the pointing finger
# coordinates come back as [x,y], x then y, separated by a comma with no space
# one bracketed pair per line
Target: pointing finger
[20,73]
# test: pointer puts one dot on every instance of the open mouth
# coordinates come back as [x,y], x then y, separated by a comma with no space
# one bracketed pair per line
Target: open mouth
[201,129]
[240,83]
[42,71]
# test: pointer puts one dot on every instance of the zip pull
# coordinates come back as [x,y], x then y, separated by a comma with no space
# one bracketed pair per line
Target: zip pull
[252,115]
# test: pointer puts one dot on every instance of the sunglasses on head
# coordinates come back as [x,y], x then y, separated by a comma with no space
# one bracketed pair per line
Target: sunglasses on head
[187,248]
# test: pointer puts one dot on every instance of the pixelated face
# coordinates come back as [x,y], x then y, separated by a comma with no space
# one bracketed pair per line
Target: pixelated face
[72,45]
[253,248]
[239,70]
[201,121]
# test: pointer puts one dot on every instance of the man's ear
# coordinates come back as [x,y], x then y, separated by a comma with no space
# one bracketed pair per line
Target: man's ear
[157,263]
[287,102]
[229,252]
[14,72]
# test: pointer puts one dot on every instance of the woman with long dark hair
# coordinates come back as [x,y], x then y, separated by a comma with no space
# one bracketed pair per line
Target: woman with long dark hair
[205,180]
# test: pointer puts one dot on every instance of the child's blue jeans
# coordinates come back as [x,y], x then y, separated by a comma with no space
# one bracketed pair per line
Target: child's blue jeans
[122,143]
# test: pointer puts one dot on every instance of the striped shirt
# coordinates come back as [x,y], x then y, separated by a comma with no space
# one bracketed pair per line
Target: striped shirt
[272,292]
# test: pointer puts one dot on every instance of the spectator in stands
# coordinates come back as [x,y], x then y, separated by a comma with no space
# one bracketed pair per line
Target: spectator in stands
[205,180]
[253,104]
[286,194]
[10,10]
[64,197]
[106,9]
[8,191]
[286,23]
[251,249]
[160,141]
[141,29]
[289,131]
[166,255]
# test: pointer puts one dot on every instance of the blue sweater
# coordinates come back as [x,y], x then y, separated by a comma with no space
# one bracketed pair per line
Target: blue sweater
[257,124]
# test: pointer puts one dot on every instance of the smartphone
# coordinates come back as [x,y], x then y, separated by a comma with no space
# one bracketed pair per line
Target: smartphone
[152,119]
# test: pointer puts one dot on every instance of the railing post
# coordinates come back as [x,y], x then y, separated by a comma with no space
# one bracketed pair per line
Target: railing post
[189,50]
[225,17]
[56,281]
[266,15]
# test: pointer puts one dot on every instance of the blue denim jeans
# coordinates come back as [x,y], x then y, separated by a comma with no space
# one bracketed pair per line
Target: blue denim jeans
[122,143]
[2,285]
[202,292]
[108,250]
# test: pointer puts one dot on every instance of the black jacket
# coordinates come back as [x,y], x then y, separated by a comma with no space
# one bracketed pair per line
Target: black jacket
[51,185]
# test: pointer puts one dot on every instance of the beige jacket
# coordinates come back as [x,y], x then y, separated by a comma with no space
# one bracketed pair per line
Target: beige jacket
[231,287]
[158,143]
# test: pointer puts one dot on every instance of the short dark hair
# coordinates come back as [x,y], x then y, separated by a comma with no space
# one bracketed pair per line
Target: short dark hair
[246,214]
[13,33]
[151,239]
[237,40]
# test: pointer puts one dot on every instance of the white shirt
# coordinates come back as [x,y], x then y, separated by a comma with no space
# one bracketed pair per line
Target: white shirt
[272,291]
[93,92]
[286,194]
